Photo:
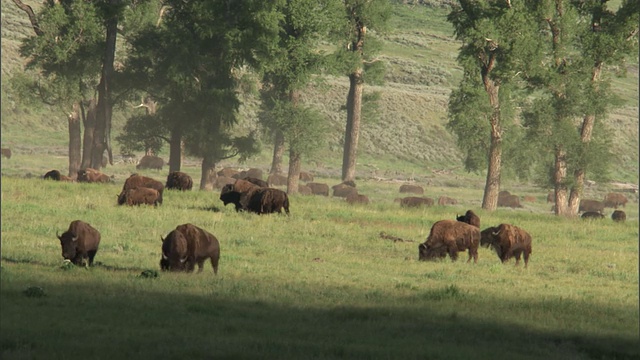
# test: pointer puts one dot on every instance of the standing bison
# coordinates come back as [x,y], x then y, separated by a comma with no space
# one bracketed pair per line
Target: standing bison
[137,181]
[507,241]
[188,245]
[619,216]
[591,205]
[79,243]
[178,180]
[266,201]
[508,200]
[237,191]
[150,162]
[470,218]
[613,200]
[450,237]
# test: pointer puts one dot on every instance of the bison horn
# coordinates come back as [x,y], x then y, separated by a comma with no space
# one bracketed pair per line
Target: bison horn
[495,233]
[164,257]
[74,239]
[58,235]
[183,260]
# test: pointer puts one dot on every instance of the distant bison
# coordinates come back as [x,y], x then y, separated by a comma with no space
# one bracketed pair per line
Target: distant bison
[55,175]
[445,200]
[79,243]
[251,173]
[343,190]
[508,200]
[470,218]
[138,181]
[529,198]
[305,176]
[277,180]
[90,175]
[304,190]
[187,246]
[414,201]
[319,188]
[6,152]
[150,162]
[591,205]
[264,201]
[140,196]
[178,180]
[221,181]
[228,172]
[237,193]
[507,241]
[592,215]
[256,181]
[613,200]
[619,216]
[355,198]
[450,237]
[414,189]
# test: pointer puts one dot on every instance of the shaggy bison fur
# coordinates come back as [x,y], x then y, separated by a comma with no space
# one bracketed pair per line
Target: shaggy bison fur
[508,200]
[613,200]
[138,181]
[178,180]
[235,193]
[355,198]
[90,175]
[277,180]
[140,196]
[591,205]
[55,175]
[265,201]
[319,188]
[414,201]
[150,162]
[187,246]
[343,190]
[79,243]
[450,237]
[470,218]
[507,241]
[592,215]
[619,216]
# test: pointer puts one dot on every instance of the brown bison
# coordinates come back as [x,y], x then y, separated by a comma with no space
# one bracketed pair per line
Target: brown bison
[551,197]
[591,205]
[178,180]
[355,198]
[187,246]
[414,201]
[470,218]
[613,200]
[305,176]
[90,175]
[140,196]
[529,198]
[251,173]
[450,237]
[304,190]
[138,181]
[277,180]
[592,215]
[228,172]
[55,175]
[319,188]
[445,200]
[150,162]
[79,243]
[619,216]
[265,201]
[256,181]
[343,190]
[507,241]
[6,152]
[237,192]
[512,201]
[221,181]
[413,189]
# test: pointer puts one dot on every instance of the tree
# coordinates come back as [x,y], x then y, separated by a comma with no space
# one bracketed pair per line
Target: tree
[356,56]
[497,44]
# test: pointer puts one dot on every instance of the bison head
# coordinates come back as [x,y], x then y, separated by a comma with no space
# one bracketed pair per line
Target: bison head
[172,261]
[69,242]
[489,236]
[428,253]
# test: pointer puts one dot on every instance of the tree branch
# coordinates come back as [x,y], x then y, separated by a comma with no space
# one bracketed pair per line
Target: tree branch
[32,16]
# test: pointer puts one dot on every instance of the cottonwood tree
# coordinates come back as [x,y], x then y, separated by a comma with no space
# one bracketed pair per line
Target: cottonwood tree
[497,44]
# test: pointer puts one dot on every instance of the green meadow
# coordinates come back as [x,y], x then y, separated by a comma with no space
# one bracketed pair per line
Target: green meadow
[318,284]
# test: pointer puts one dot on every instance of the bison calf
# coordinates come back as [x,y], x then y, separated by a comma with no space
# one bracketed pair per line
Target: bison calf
[188,245]
[470,218]
[592,215]
[507,241]
[619,216]
[450,237]
[79,243]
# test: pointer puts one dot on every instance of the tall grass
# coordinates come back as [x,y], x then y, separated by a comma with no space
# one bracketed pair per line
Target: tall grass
[320,283]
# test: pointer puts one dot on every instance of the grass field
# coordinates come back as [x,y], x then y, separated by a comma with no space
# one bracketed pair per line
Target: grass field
[320,283]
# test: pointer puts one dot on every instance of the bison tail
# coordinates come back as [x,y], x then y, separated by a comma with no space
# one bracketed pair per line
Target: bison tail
[286,205]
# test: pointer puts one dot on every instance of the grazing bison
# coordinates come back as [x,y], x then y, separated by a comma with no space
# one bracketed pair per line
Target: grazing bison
[265,201]
[140,196]
[187,246]
[150,162]
[277,180]
[414,201]
[619,216]
[343,190]
[6,152]
[304,190]
[237,192]
[591,205]
[319,188]
[79,243]
[613,200]
[413,189]
[450,237]
[512,201]
[507,241]
[470,218]
[592,215]
[179,181]
[305,176]
[445,200]
[138,181]
[90,175]
[355,198]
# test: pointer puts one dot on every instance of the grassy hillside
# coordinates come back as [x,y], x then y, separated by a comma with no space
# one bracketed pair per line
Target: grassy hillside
[409,138]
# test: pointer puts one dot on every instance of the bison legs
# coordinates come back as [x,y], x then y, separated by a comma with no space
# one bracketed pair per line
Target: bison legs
[453,252]
[91,254]
[473,254]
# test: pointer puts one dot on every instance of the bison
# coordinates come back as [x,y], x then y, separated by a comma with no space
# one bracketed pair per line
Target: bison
[413,189]
[227,172]
[450,237]
[234,193]
[619,216]
[343,190]
[179,181]
[355,198]
[613,200]
[512,201]
[256,181]
[319,188]
[470,218]
[507,241]
[139,196]
[150,162]
[138,181]
[265,201]
[304,190]
[445,200]
[221,181]
[90,175]
[305,176]
[551,197]
[55,175]
[6,152]
[188,245]
[277,180]
[592,215]
[79,243]
[591,205]
[414,201]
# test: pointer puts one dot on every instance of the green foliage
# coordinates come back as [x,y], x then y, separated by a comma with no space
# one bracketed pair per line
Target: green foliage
[142,132]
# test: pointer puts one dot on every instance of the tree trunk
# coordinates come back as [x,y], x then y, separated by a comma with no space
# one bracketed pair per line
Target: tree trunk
[175,150]
[278,153]
[352,131]
[559,178]
[102,134]
[75,145]
[89,121]
[492,185]
[295,160]
[208,178]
